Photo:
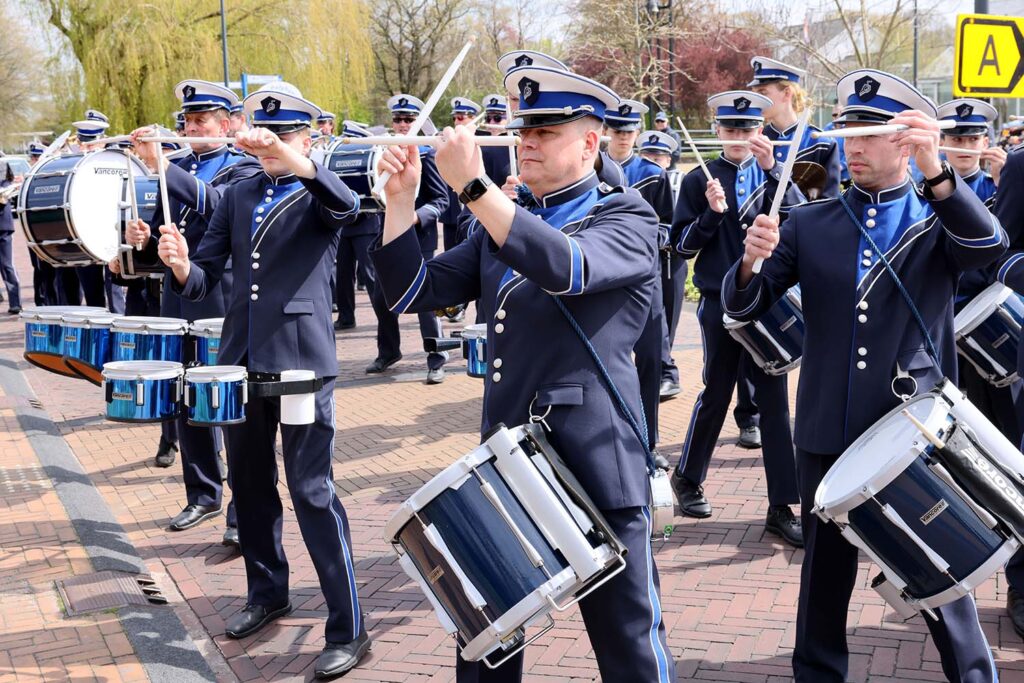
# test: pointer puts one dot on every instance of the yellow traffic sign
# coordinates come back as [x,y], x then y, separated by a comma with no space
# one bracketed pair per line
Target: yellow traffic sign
[989,59]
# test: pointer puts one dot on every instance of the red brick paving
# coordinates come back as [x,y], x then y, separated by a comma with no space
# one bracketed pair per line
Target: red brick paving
[729,592]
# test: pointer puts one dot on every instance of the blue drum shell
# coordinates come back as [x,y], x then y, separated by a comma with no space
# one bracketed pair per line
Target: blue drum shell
[483,546]
[138,346]
[207,349]
[956,533]
[160,400]
[997,336]
[473,349]
[231,404]
[44,338]
[783,314]
[90,345]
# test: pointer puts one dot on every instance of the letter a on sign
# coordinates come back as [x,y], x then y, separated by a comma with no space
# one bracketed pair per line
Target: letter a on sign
[989,59]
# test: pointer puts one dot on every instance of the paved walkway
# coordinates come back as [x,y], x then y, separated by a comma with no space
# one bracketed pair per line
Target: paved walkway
[80,494]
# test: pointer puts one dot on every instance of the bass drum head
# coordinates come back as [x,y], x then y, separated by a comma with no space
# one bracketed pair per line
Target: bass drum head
[94,201]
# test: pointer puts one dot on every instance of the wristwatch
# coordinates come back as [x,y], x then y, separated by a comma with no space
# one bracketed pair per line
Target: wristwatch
[946,174]
[474,189]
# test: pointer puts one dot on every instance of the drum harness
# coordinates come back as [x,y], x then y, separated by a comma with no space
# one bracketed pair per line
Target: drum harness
[900,374]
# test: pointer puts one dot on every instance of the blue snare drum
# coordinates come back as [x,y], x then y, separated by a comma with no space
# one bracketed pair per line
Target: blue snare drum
[44,336]
[474,349]
[207,335]
[775,340]
[141,338]
[87,344]
[499,539]
[988,333]
[908,506]
[142,390]
[215,395]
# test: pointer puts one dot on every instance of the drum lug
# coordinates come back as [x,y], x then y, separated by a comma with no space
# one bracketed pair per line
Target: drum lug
[140,393]
[215,395]
[590,589]
[547,627]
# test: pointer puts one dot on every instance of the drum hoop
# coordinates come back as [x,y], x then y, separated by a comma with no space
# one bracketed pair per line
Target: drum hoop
[136,370]
[970,317]
[215,373]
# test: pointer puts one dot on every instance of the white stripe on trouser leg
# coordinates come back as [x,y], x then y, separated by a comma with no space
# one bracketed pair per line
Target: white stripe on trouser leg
[660,656]
[353,593]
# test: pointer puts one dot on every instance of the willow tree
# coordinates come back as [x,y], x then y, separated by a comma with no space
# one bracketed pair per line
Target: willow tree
[132,52]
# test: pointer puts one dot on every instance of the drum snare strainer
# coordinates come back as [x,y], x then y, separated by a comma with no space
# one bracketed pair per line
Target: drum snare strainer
[910,507]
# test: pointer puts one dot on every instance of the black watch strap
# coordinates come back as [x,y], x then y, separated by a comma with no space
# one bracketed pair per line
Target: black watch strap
[946,174]
[474,189]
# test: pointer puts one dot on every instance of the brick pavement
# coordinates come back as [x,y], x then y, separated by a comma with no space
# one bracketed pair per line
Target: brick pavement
[729,592]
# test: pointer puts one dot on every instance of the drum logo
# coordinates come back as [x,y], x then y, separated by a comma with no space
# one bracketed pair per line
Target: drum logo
[47,189]
[109,171]
[39,333]
[127,345]
[434,575]
[928,517]
[122,396]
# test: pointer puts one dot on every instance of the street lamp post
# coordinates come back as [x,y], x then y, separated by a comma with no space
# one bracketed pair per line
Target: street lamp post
[224,42]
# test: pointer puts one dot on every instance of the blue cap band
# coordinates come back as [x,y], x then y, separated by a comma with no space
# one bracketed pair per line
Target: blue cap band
[281,116]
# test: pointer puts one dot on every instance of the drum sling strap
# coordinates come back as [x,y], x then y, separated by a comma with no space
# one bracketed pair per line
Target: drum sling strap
[639,428]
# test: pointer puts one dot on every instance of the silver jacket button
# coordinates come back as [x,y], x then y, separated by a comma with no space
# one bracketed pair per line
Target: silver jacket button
[861,365]
[496,377]
[496,363]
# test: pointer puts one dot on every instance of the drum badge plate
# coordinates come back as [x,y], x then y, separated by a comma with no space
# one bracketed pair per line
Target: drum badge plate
[434,575]
[928,517]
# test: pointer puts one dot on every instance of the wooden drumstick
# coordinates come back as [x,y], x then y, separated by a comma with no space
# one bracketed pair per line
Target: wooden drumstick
[478,118]
[880,129]
[427,140]
[700,160]
[787,173]
[131,196]
[513,158]
[933,439]
[428,107]
[162,174]
[961,150]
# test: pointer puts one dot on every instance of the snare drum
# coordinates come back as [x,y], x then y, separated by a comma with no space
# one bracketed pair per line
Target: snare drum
[215,395]
[775,340]
[142,390]
[499,539]
[44,335]
[474,349]
[87,344]
[134,263]
[988,333]
[908,506]
[207,335]
[357,166]
[70,207]
[142,338]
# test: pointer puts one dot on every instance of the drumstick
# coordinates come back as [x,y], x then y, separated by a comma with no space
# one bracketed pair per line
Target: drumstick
[131,196]
[513,159]
[431,140]
[162,174]
[881,129]
[961,150]
[54,146]
[700,160]
[927,433]
[787,173]
[715,142]
[479,117]
[424,114]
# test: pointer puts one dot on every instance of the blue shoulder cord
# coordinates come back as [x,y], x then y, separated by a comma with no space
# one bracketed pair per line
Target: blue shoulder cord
[639,429]
[899,284]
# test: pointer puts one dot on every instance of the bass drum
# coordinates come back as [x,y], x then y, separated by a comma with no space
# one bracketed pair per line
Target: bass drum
[357,166]
[70,207]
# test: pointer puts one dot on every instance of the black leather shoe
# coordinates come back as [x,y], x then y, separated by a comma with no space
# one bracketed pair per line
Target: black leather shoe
[231,538]
[660,461]
[339,658]
[782,522]
[1015,608]
[253,618]
[668,390]
[690,497]
[339,325]
[166,452]
[381,364]
[435,376]
[14,310]
[192,515]
[750,437]
[361,287]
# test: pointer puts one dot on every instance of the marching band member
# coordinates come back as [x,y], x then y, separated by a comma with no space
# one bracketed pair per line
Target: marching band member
[661,125]
[496,159]
[1009,209]
[86,282]
[237,122]
[781,84]
[353,258]
[658,146]
[516,264]
[44,276]
[745,180]
[650,180]
[281,228]
[195,186]
[10,275]
[595,248]
[325,124]
[430,205]
[863,346]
